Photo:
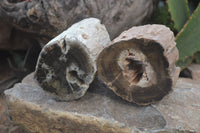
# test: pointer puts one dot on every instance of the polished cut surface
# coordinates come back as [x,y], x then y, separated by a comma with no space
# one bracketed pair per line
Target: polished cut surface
[67,64]
[139,65]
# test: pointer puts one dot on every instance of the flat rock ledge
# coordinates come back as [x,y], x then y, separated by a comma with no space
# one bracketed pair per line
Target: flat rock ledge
[101,111]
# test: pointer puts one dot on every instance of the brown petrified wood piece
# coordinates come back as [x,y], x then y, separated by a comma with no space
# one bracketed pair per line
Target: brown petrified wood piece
[51,17]
[67,64]
[139,65]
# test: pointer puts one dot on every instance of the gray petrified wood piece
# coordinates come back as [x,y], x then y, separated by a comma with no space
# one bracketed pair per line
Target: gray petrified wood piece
[139,65]
[51,17]
[67,64]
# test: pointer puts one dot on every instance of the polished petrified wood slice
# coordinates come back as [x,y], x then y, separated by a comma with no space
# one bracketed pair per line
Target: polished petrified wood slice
[67,64]
[139,65]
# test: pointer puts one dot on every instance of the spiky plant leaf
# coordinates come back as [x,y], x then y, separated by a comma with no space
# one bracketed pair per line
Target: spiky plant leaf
[188,40]
[179,12]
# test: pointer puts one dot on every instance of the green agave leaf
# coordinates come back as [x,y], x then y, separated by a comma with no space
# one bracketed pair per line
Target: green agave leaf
[179,12]
[188,40]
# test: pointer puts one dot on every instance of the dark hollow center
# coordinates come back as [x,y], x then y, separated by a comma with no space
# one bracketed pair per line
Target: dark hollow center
[133,69]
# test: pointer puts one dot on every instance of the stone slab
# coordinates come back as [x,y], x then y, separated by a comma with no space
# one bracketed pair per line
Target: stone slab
[6,126]
[101,111]
[181,108]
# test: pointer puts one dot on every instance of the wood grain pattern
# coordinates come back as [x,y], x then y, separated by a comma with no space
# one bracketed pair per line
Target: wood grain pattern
[137,67]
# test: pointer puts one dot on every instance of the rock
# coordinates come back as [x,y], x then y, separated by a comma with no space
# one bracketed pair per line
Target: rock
[195,71]
[17,130]
[3,118]
[100,110]
[6,126]
[181,108]
[171,130]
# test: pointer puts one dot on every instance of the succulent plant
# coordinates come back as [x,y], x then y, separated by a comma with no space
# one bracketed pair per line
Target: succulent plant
[179,12]
[188,40]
